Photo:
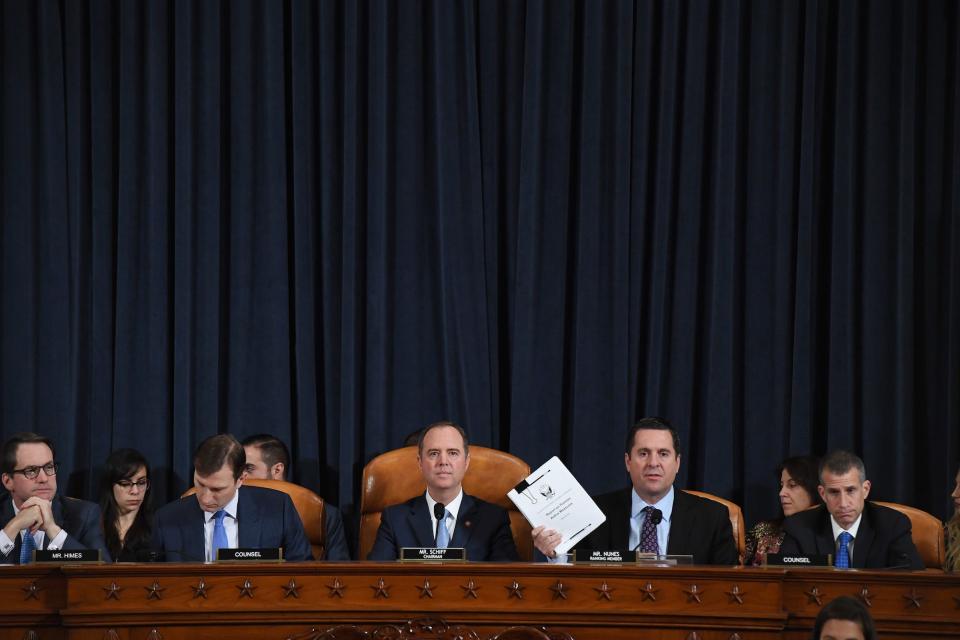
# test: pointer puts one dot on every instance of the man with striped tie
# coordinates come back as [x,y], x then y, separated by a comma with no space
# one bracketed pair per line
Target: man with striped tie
[224,515]
[855,532]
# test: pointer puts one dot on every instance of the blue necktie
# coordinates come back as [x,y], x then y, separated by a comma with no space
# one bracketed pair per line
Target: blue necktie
[219,533]
[843,553]
[26,550]
[443,536]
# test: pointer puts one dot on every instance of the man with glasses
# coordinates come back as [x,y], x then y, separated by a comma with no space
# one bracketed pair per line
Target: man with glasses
[35,516]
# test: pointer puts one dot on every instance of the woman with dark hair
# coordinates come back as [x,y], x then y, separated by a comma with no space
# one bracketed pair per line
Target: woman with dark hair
[844,618]
[799,477]
[125,503]
[952,562]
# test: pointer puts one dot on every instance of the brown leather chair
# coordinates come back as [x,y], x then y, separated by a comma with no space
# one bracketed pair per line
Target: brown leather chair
[927,533]
[736,519]
[308,504]
[394,477]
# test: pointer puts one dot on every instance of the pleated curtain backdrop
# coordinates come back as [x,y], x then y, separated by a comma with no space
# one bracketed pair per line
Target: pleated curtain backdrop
[340,221]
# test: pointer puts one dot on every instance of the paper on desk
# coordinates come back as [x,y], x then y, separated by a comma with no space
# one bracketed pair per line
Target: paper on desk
[552,497]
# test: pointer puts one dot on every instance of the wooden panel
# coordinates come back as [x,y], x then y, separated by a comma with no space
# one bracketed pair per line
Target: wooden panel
[302,600]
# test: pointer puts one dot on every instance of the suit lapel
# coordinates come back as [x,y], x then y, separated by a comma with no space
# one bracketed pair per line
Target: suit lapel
[192,532]
[465,522]
[248,521]
[420,523]
[680,524]
[56,505]
[861,544]
[619,521]
[823,540]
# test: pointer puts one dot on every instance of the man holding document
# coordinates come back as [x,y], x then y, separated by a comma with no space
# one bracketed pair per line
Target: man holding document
[651,516]
[444,516]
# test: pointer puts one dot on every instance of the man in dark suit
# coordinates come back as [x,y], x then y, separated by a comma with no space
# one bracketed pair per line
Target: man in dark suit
[225,515]
[33,508]
[650,515]
[269,459]
[855,532]
[483,529]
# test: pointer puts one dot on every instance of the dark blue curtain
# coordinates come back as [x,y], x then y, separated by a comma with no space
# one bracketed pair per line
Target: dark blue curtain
[339,221]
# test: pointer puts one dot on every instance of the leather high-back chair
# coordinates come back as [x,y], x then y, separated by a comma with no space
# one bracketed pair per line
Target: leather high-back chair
[308,505]
[394,477]
[927,533]
[736,519]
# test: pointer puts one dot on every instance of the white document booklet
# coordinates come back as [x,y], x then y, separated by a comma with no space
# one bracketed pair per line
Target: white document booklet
[552,497]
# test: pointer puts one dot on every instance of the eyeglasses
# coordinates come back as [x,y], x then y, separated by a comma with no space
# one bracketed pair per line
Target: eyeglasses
[142,484]
[32,472]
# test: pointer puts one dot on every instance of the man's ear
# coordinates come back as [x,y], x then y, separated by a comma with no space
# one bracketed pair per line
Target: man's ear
[276,471]
[7,482]
[866,489]
[822,492]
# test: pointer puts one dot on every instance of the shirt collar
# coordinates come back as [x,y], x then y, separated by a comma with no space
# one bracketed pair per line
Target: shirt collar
[665,505]
[230,508]
[837,529]
[453,507]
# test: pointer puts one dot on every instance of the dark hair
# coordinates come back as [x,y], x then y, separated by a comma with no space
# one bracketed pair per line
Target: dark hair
[805,471]
[219,450]
[443,423]
[272,450]
[655,423]
[840,462]
[123,464]
[13,443]
[846,608]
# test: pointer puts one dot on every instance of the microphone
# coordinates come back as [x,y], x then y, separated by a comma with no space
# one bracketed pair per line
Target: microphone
[438,512]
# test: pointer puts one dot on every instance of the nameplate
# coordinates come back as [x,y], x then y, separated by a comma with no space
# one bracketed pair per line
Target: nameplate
[249,555]
[607,556]
[62,555]
[429,554]
[780,560]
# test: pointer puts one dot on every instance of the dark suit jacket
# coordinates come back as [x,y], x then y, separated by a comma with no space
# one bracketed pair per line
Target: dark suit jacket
[79,518]
[883,540]
[336,540]
[698,527]
[483,529]
[266,519]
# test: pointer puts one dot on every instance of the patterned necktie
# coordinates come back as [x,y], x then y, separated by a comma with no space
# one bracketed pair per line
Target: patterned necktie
[443,536]
[843,553]
[648,534]
[26,550]
[219,534]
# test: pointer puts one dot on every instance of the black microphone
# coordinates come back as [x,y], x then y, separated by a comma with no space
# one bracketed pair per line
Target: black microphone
[438,512]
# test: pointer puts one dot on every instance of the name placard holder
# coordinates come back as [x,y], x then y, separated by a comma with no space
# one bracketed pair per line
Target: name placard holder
[429,554]
[780,560]
[250,555]
[63,555]
[658,560]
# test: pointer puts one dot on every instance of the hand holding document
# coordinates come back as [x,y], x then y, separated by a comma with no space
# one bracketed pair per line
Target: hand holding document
[552,497]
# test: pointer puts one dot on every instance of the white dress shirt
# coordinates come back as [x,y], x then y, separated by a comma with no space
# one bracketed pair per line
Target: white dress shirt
[454,509]
[837,530]
[637,517]
[230,524]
